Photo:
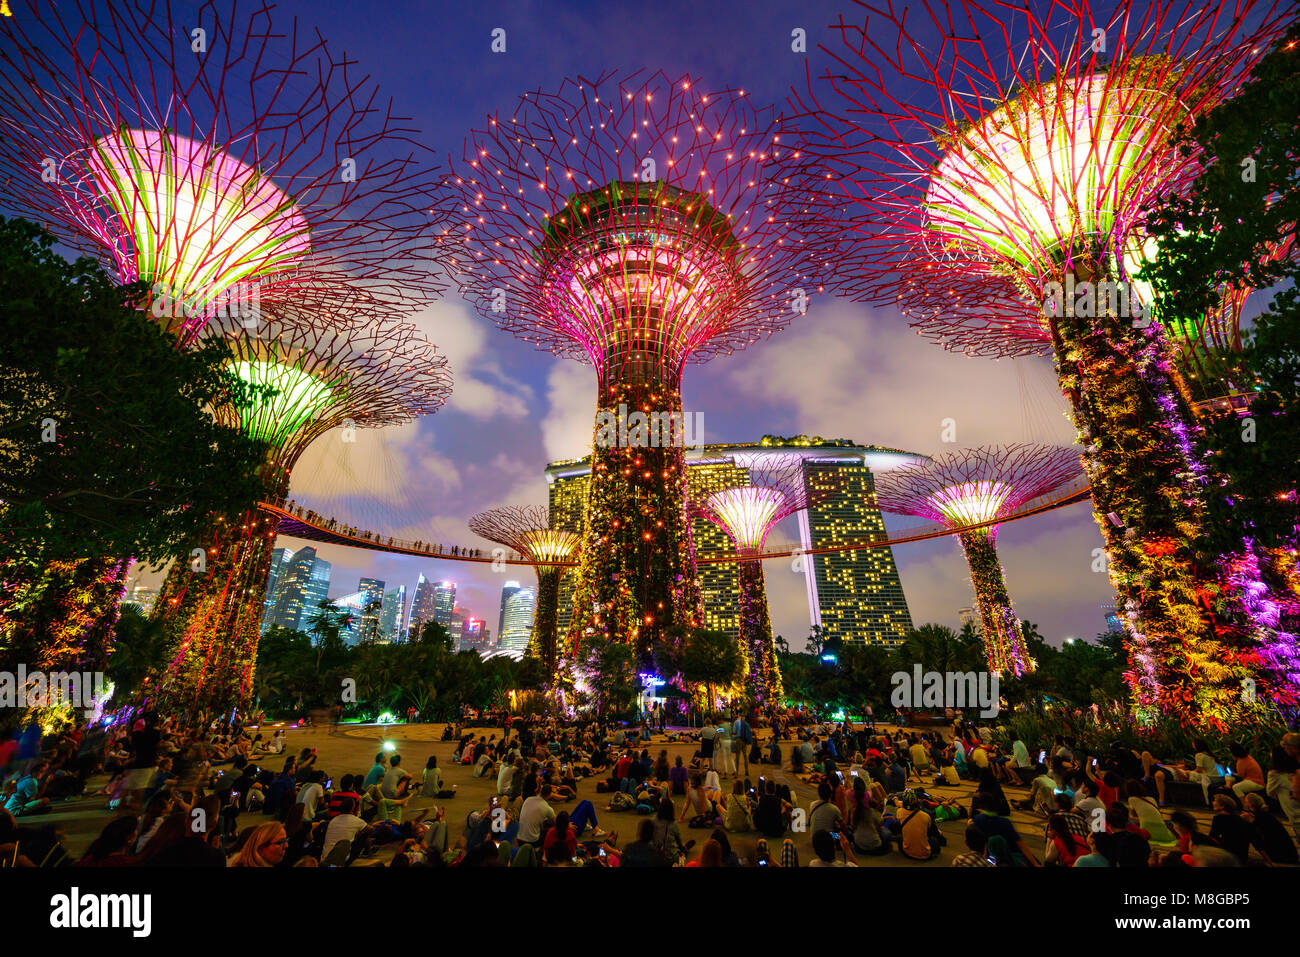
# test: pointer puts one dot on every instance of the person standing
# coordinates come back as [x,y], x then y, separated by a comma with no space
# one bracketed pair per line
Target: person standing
[722,745]
[707,735]
[742,738]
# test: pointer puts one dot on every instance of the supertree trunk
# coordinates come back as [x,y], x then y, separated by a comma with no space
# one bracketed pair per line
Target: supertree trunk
[1004,645]
[216,631]
[1148,481]
[636,574]
[762,673]
[543,644]
[214,612]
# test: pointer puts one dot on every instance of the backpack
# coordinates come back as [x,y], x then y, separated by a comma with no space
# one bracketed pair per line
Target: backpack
[621,801]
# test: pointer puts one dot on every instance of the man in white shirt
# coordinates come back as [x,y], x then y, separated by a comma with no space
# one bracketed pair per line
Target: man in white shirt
[534,817]
[345,826]
[311,795]
[707,734]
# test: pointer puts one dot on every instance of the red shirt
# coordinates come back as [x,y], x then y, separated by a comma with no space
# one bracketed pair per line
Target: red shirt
[623,767]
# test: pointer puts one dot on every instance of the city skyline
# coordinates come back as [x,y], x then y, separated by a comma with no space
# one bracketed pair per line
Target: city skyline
[844,369]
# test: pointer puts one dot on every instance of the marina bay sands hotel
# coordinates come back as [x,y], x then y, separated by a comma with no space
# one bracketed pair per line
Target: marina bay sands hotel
[853,595]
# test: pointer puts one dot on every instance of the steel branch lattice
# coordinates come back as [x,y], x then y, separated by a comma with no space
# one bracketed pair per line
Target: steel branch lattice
[979,485]
[1032,136]
[631,217]
[249,153]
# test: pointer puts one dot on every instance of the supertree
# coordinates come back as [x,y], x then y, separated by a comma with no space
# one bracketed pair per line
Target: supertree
[527,529]
[969,491]
[747,514]
[212,158]
[631,222]
[312,366]
[224,161]
[986,169]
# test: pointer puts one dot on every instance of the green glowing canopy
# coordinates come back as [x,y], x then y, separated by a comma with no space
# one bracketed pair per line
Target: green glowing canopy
[298,397]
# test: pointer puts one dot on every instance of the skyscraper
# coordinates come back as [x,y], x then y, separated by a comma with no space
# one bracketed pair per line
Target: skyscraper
[392,619]
[316,591]
[142,597]
[280,559]
[421,606]
[354,605]
[444,603]
[508,589]
[518,618]
[456,629]
[372,591]
[300,587]
[854,595]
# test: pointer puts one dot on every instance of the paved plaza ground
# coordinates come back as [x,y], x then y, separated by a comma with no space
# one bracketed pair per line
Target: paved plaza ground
[351,750]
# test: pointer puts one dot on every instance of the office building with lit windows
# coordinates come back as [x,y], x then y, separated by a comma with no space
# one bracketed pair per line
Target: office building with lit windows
[854,595]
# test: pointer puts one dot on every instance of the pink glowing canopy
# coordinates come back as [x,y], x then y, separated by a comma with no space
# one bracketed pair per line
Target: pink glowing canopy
[180,212]
[630,219]
[979,485]
[959,155]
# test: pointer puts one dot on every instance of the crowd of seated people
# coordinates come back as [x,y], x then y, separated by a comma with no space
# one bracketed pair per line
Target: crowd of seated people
[879,793]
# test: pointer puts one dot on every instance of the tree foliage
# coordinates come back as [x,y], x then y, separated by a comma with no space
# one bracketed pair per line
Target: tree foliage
[107,445]
[1224,232]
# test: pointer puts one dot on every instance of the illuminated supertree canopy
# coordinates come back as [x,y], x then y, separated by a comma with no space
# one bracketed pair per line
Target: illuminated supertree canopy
[776,490]
[337,363]
[527,530]
[969,491]
[999,204]
[210,153]
[631,222]
[228,162]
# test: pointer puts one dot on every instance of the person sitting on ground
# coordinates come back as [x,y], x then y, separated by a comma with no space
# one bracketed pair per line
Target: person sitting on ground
[977,855]
[377,771]
[678,778]
[985,818]
[866,821]
[1101,851]
[643,852]
[738,813]
[1149,818]
[562,833]
[1248,776]
[917,841]
[29,797]
[261,846]
[1230,829]
[1269,834]
[826,848]
[667,835]
[1064,844]
[113,847]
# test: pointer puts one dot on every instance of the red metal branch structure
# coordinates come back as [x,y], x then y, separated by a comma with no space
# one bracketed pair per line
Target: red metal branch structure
[231,155]
[972,487]
[527,529]
[632,222]
[342,365]
[223,156]
[777,489]
[985,167]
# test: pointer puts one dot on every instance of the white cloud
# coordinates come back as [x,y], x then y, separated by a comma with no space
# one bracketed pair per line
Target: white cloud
[853,371]
[479,386]
[571,395]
